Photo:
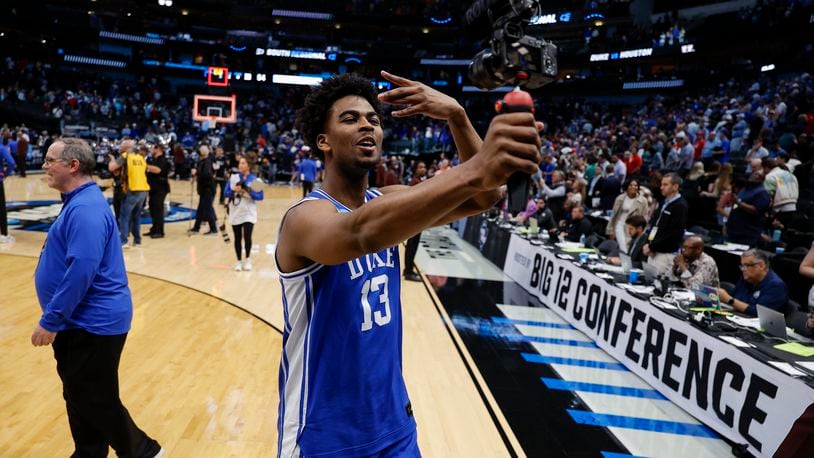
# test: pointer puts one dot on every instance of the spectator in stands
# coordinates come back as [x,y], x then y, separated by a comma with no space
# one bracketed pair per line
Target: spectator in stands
[757,285]
[634,227]
[788,161]
[205,177]
[607,189]
[619,168]
[667,233]
[6,169]
[748,215]
[158,171]
[629,203]
[578,227]
[554,195]
[757,151]
[686,153]
[633,164]
[133,167]
[692,267]
[783,188]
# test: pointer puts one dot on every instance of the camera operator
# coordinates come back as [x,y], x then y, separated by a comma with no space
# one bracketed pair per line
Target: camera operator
[243,209]
[158,170]
[219,164]
[127,145]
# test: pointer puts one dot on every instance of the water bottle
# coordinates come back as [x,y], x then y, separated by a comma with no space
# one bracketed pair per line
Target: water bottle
[776,235]
[582,239]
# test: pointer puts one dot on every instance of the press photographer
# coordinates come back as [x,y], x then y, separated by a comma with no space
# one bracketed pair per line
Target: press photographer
[243,190]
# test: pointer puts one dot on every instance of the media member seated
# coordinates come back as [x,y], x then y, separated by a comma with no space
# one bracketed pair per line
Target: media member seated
[758,285]
[545,217]
[578,226]
[692,267]
[634,226]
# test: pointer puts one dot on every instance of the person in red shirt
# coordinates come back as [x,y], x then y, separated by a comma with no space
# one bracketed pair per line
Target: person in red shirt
[633,163]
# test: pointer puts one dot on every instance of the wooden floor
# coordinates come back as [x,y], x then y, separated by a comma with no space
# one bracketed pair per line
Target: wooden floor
[198,373]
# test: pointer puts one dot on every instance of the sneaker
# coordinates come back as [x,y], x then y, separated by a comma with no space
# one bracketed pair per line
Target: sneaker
[160,453]
[156,236]
[412,276]
[239,266]
[7,239]
[126,246]
[211,233]
[193,231]
[247,265]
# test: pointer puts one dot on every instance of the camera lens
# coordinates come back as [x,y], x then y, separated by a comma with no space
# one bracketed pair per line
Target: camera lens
[481,70]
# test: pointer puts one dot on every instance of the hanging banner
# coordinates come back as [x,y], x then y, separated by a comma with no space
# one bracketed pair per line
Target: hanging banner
[741,398]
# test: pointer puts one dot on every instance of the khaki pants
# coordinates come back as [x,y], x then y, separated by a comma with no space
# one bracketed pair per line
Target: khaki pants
[663,262]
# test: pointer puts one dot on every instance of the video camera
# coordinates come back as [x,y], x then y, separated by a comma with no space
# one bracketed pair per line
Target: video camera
[513,57]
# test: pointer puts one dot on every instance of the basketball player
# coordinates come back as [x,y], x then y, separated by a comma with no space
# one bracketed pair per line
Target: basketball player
[341,388]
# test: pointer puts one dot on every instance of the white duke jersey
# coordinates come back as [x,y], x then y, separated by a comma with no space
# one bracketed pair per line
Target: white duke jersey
[341,387]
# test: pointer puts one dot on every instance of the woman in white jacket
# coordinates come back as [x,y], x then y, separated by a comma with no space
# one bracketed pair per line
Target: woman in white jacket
[243,210]
[629,203]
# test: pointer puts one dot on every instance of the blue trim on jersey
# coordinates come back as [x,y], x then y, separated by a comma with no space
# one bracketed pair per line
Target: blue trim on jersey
[336,203]
[304,384]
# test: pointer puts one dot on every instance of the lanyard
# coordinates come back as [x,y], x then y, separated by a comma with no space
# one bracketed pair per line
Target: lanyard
[664,207]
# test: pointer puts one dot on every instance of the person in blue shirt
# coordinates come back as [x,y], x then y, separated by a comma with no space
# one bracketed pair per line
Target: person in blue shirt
[758,285]
[81,285]
[308,174]
[6,169]
[342,392]
[748,214]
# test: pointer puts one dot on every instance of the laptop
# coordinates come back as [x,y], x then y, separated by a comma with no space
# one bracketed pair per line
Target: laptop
[707,296]
[772,322]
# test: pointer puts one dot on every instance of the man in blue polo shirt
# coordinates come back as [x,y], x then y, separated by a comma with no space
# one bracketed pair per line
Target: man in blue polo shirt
[86,307]
[308,172]
[758,285]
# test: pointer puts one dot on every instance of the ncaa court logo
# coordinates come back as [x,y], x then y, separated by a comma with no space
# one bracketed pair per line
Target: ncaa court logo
[39,215]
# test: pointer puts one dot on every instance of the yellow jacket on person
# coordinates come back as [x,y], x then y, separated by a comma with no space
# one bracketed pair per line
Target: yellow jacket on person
[136,168]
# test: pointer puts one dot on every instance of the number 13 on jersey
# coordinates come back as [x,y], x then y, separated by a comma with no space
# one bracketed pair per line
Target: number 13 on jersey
[381,317]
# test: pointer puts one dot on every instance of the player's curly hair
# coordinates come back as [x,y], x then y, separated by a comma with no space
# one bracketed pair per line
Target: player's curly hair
[311,117]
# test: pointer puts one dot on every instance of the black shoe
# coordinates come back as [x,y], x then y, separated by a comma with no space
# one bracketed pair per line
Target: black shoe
[211,233]
[149,233]
[193,231]
[412,276]
[156,236]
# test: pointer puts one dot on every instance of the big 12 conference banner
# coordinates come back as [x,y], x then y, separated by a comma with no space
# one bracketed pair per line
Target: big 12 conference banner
[743,399]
